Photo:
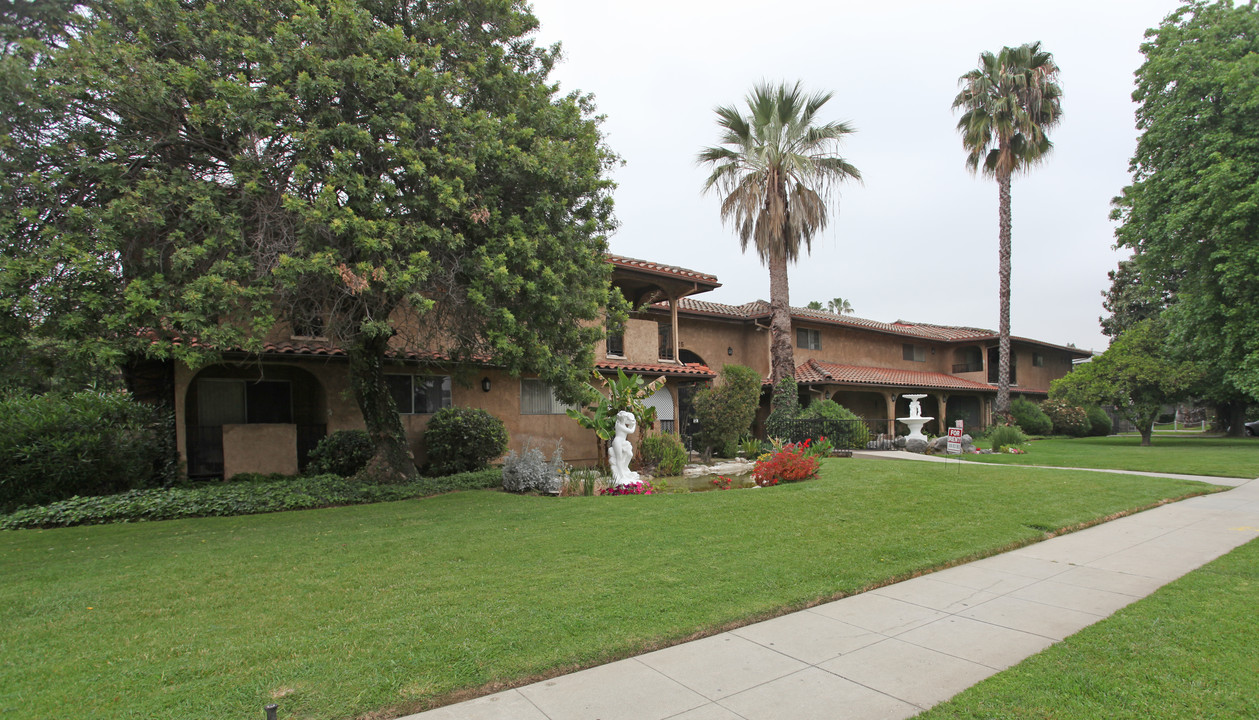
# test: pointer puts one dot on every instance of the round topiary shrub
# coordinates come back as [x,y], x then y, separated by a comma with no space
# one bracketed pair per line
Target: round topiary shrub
[463,439]
[1099,422]
[1030,418]
[343,453]
[1004,437]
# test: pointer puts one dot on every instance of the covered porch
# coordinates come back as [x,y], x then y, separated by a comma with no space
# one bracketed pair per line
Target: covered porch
[878,396]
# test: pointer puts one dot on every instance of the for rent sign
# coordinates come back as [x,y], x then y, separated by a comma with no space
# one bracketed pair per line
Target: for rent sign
[955,440]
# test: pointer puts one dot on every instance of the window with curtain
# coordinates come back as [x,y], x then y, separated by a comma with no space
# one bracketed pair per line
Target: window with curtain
[808,339]
[538,398]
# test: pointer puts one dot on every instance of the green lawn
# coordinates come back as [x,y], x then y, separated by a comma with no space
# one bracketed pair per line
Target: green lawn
[1221,457]
[1190,650]
[337,612]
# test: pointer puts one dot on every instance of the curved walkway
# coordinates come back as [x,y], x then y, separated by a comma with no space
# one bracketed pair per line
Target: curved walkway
[892,652]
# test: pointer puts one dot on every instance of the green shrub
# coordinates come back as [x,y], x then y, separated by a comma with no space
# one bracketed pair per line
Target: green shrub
[751,447]
[237,498]
[343,453]
[1067,418]
[1030,418]
[827,410]
[54,447]
[1006,436]
[664,452]
[463,439]
[849,431]
[726,410]
[1099,422]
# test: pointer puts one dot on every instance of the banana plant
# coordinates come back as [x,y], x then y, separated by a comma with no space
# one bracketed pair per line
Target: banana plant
[623,392]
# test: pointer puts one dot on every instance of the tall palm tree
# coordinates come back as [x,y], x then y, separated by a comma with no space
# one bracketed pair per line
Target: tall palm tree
[776,170]
[1009,103]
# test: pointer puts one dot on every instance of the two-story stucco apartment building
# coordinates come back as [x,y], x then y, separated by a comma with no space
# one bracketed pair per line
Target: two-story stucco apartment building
[264,412]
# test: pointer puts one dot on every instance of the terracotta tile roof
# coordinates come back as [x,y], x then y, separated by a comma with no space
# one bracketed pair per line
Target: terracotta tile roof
[692,370]
[758,309]
[312,347]
[815,371]
[662,269]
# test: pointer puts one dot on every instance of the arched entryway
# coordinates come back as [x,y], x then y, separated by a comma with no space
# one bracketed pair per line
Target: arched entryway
[254,418]
[690,358]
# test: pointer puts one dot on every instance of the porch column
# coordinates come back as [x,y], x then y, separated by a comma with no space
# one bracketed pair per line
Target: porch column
[889,398]
[942,404]
[673,318]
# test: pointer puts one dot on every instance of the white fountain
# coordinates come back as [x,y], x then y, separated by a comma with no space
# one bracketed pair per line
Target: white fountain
[915,441]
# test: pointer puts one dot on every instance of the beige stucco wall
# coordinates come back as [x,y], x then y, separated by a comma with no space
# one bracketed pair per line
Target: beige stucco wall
[849,346]
[642,341]
[721,342]
[252,446]
[260,448]
[1057,364]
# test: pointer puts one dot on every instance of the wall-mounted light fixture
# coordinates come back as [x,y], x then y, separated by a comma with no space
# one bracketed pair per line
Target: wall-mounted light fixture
[729,351]
[485,384]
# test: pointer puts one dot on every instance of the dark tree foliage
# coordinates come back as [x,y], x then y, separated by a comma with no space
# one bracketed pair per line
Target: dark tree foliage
[1133,296]
[392,170]
[1192,210]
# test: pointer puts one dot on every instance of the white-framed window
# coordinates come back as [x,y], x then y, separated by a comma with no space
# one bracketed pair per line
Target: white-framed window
[914,353]
[419,394]
[808,339]
[538,398]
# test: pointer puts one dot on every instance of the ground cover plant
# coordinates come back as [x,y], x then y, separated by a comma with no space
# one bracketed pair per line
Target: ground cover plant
[1180,653]
[258,494]
[338,612]
[1221,457]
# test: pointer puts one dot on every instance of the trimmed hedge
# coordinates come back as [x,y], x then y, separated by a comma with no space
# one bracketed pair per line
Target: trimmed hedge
[1030,418]
[266,494]
[1099,422]
[460,439]
[343,453]
[54,447]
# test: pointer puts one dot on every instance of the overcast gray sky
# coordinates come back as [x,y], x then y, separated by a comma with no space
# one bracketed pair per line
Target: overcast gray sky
[917,240]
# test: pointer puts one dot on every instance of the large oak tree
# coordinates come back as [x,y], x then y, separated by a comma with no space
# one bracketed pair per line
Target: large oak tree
[1192,210]
[381,168]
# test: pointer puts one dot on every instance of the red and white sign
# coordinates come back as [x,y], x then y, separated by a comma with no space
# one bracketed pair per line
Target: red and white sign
[954,446]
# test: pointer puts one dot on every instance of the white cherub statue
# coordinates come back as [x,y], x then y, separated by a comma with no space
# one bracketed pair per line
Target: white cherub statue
[620,452]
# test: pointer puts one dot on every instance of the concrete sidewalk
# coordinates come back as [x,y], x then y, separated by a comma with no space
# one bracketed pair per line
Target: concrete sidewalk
[892,652]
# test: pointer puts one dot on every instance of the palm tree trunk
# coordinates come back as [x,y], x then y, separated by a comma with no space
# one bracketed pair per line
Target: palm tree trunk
[1003,331]
[781,357]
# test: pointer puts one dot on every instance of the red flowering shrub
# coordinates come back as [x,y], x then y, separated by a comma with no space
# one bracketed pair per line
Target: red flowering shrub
[791,464]
[722,483]
[634,488]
